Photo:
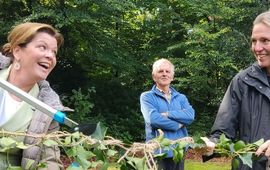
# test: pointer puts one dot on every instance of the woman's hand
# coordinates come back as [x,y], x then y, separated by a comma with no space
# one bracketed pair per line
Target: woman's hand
[210,146]
[264,149]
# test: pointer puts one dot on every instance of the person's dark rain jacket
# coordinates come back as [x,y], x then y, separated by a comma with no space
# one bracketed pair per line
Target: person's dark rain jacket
[244,113]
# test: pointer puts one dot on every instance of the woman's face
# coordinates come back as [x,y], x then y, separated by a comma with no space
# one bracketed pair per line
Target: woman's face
[38,57]
[261,44]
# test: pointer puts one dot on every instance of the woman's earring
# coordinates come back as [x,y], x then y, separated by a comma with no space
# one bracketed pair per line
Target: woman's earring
[17,65]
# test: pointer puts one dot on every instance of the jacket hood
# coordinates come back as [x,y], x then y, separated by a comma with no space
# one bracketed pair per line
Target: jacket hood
[4,61]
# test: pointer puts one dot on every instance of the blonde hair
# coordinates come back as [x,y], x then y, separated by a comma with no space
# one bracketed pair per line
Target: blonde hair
[158,63]
[263,18]
[23,33]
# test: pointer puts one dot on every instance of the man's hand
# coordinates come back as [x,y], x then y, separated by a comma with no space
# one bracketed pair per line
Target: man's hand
[264,149]
[180,125]
[165,114]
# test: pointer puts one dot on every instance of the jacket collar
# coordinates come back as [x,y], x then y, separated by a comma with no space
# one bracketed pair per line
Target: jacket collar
[158,92]
[258,73]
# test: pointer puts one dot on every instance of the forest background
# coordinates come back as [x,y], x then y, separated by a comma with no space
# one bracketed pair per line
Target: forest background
[110,46]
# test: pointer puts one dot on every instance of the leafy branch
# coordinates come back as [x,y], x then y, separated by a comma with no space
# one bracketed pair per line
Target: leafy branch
[238,150]
[99,151]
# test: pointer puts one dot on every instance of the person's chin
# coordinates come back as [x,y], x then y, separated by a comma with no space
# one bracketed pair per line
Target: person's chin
[41,77]
[263,65]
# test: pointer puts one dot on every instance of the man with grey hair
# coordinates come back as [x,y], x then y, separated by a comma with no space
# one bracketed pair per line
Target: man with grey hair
[166,109]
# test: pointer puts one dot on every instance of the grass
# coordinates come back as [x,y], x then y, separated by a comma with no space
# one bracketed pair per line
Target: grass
[197,165]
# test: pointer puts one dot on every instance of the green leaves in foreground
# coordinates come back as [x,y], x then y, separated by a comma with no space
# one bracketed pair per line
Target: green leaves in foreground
[106,153]
[238,151]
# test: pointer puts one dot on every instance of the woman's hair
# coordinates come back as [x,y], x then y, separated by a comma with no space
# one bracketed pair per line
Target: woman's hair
[158,63]
[23,34]
[263,18]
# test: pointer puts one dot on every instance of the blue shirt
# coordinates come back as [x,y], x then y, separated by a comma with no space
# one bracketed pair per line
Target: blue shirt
[153,103]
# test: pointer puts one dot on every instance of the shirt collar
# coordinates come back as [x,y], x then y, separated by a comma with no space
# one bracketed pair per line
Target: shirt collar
[170,92]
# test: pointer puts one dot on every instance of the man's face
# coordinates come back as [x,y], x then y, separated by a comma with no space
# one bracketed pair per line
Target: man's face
[163,76]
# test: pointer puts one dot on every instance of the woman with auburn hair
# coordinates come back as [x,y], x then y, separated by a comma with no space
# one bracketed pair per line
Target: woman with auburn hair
[26,60]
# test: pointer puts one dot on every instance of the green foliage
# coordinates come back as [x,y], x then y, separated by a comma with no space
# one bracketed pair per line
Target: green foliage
[81,102]
[99,151]
[238,150]
[110,45]
[95,151]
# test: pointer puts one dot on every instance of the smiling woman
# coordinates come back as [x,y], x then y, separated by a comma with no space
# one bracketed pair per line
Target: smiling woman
[26,60]
[244,111]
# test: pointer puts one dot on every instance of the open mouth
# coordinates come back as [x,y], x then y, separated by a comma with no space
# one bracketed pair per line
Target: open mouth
[44,65]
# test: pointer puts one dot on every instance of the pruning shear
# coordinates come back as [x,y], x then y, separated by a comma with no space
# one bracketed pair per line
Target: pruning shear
[58,116]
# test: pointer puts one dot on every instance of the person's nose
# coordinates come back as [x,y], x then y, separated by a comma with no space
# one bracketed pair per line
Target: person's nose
[258,46]
[50,54]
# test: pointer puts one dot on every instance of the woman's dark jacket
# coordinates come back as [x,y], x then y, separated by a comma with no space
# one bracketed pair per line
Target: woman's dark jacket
[244,113]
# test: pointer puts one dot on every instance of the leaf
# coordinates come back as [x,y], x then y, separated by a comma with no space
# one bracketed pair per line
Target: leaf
[259,142]
[14,168]
[239,145]
[72,152]
[114,167]
[160,155]
[246,159]
[235,163]
[83,156]
[224,139]
[68,140]
[50,143]
[97,163]
[6,142]
[178,155]
[178,151]
[137,163]
[160,136]
[165,142]
[76,135]
[111,152]
[21,145]
[29,163]
[100,132]
[102,147]
[42,165]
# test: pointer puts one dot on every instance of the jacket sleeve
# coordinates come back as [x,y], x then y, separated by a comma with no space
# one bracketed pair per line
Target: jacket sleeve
[153,117]
[227,117]
[185,115]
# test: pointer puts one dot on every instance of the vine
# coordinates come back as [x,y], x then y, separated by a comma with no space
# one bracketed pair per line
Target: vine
[99,151]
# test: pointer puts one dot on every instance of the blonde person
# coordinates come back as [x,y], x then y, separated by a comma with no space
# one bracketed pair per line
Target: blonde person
[165,108]
[27,59]
[244,113]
